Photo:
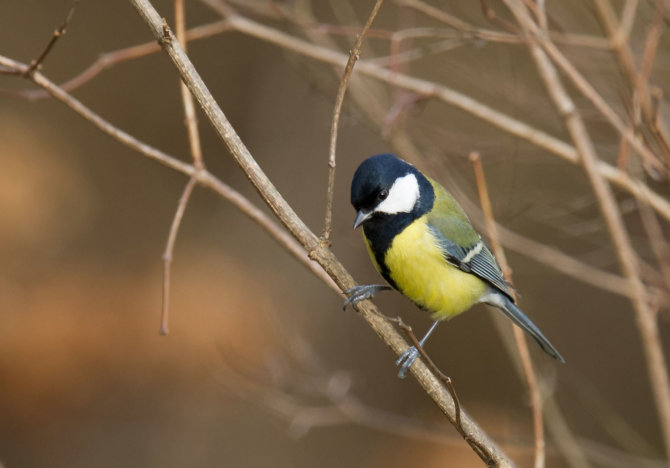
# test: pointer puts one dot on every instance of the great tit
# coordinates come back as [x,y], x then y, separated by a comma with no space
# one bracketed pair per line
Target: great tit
[421,241]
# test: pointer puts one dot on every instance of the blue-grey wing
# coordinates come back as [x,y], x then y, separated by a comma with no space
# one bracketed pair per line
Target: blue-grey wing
[475,258]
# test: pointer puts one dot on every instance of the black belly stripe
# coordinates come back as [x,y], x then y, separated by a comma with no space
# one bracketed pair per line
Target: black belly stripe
[380,232]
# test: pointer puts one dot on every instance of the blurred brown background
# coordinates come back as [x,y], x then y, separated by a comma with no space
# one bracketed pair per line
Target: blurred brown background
[259,349]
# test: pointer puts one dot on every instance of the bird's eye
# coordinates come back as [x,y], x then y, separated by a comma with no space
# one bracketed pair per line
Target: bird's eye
[383,194]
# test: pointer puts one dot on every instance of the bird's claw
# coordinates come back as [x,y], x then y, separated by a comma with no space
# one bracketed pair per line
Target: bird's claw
[406,360]
[362,292]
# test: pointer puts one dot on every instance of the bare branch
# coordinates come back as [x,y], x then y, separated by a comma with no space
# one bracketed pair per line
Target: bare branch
[575,40]
[650,159]
[371,68]
[196,154]
[110,59]
[296,226]
[519,336]
[640,95]
[187,99]
[449,96]
[339,100]
[657,241]
[645,317]
[169,249]
[479,449]
[523,245]
[203,177]
[58,33]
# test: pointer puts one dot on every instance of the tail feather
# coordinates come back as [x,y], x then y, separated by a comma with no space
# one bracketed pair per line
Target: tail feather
[520,319]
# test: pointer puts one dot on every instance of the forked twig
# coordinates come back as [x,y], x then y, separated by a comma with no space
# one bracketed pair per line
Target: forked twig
[58,33]
[196,153]
[37,63]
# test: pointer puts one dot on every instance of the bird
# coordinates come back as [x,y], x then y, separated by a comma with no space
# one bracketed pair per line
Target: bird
[422,243]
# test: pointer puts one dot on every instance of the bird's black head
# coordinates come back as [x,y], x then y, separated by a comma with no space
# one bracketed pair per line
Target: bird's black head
[385,185]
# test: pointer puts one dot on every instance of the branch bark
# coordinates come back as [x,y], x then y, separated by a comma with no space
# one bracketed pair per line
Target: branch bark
[299,230]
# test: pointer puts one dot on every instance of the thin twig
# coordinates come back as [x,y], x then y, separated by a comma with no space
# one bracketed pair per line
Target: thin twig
[657,241]
[554,258]
[110,59]
[169,249]
[187,99]
[490,14]
[588,91]
[58,33]
[542,253]
[369,68]
[299,378]
[203,177]
[519,337]
[618,34]
[196,154]
[449,96]
[419,52]
[647,61]
[481,450]
[339,100]
[458,24]
[656,94]
[310,242]
[645,316]
[363,93]
[575,40]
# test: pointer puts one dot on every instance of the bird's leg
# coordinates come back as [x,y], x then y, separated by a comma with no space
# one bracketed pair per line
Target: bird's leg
[407,358]
[363,291]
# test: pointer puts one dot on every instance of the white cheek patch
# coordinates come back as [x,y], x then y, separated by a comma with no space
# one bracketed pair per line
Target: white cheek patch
[402,196]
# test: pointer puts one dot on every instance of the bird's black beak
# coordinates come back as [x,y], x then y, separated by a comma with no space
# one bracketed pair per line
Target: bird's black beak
[361,217]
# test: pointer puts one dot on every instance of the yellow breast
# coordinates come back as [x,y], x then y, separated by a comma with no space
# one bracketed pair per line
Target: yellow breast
[417,266]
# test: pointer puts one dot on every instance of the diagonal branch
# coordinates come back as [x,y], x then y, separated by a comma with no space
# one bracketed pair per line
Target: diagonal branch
[298,229]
